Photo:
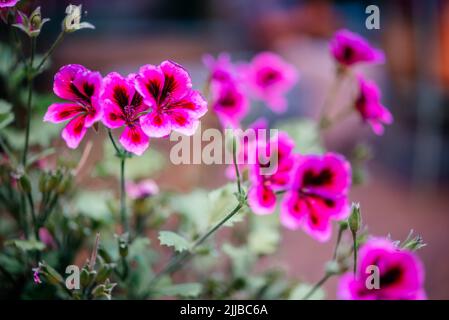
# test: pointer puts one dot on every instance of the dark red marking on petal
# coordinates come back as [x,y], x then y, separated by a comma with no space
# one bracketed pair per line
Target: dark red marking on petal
[310,178]
[89,89]
[169,87]
[136,100]
[121,96]
[154,88]
[180,119]
[391,276]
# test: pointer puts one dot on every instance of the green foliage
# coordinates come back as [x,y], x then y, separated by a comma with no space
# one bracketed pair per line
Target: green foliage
[305,133]
[172,239]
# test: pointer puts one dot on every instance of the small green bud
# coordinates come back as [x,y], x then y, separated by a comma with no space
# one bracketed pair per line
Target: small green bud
[25,184]
[355,219]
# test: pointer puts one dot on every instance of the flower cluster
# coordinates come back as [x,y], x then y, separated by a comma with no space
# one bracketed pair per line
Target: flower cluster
[350,49]
[315,186]
[401,274]
[152,103]
[266,77]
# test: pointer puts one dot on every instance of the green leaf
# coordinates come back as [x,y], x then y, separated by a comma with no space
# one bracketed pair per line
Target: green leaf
[300,291]
[93,204]
[186,290]
[26,245]
[305,133]
[172,239]
[6,116]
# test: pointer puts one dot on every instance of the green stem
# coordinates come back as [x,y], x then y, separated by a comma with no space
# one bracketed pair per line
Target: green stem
[337,244]
[236,166]
[317,286]
[176,260]
[323,119]
[50,51]
[354,240]
[29,101]
[33,215]
[123,196]
[122,156]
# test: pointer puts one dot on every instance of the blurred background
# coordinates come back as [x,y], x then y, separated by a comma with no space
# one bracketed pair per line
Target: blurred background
[407,183]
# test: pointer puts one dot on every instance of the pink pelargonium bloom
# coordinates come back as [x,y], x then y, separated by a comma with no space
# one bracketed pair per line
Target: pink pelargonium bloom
[269,78]
[81,87]
[349,48]
[229,103]
[318,194]
[143,189]
[264,184]
[221,69]
[370,108]
[8,3]
[123,106]
[36,278]
[401,274]
[167,90]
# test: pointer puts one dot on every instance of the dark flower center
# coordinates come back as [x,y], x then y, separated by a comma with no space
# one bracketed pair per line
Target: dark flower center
[324,177]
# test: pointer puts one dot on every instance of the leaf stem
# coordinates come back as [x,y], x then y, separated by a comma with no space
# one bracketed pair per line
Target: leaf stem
[29,101]
[50,51]
[317,286]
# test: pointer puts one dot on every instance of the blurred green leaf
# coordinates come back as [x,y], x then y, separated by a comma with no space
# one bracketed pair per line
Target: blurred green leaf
[26,245]
[6,116]
[305,133]
[186,290]
[264,236]
[301,290]
[171,239]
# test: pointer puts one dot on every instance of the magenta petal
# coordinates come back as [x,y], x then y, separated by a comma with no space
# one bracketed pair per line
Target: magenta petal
[63,81]
[183,123]
[113,115]
[156,124]
[149,83]
[317,223]
[134,140]
[262,200]
[74,132]
[177,81]
[293,211]
[60,112]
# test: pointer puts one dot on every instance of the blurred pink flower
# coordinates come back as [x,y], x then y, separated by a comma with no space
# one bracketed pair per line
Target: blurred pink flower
[401,274]
[229,103]
[167,90]
[81,87]
[269,78]
[8,3]
[349,48]
[46,238]
[370,108]
[123,106]
[262,193]
[36,278]
[228,97]
[220,69]
[143,189]
[318,194]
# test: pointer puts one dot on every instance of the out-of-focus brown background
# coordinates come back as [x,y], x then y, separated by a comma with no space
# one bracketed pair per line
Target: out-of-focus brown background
[407,185]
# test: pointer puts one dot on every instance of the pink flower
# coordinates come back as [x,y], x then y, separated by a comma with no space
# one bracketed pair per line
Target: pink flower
[123,106]
[229,103]
[46,238]
[370,108]
[167,90]
[318,194]
[401,274]
[221,69]
[143,189]
[269,79]
[349,48]
[36,278]
[262,193]
[81,87]
[8,3]
[229,100]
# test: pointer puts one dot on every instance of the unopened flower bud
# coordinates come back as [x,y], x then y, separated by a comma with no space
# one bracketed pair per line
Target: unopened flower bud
[355,219]
[72,21]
